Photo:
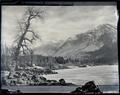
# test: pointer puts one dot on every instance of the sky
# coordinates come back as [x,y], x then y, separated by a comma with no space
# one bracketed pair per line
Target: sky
[60,22]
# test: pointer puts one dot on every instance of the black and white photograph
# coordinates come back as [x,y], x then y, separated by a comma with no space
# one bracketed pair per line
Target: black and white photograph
[59,49]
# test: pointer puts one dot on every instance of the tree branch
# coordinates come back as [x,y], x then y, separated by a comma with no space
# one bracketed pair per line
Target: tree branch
[28,40]
[35,35]
[30,14]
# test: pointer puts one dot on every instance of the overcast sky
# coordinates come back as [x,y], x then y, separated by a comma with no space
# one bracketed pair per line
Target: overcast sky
[60,22]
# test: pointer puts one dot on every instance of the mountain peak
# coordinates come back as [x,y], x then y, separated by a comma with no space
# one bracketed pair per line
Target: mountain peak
[91,40]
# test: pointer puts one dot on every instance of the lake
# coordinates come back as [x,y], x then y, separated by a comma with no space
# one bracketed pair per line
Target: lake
[58,89]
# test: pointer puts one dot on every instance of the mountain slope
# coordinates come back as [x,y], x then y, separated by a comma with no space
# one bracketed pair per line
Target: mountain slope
[98,44]
[103,35]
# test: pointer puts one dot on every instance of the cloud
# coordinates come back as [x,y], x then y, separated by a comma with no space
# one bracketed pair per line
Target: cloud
[60,22]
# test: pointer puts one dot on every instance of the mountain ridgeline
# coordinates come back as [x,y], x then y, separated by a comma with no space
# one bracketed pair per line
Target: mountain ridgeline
[97,46]
[94,47]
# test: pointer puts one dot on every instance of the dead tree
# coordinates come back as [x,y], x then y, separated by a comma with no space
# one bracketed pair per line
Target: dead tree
[23,40]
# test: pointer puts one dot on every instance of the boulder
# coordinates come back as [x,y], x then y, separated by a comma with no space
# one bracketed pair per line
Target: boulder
[62,82]
[89,88]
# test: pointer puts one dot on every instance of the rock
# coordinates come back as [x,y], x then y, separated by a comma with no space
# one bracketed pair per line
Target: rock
[24,74]
[89,87]
[70,84]
[43,78]
[16,76]
[17,92]
[33,77]
[18,73]
[4,91]
[78,91]
[53,81]
[62,82]
[43,84]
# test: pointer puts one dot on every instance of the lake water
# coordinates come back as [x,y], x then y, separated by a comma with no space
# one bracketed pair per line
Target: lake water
[102,75]
[58,89]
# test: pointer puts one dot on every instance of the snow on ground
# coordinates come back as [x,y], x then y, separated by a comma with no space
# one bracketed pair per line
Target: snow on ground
[102,75]
[4,73]
[34,66]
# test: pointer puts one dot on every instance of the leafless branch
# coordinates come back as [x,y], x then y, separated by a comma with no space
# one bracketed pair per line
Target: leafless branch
[24,26]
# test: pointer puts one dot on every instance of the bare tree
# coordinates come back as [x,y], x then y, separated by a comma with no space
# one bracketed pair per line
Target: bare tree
[23,39]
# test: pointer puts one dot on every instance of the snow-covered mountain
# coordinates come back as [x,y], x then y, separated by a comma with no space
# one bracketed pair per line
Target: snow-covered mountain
[103,35]
[90,41]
